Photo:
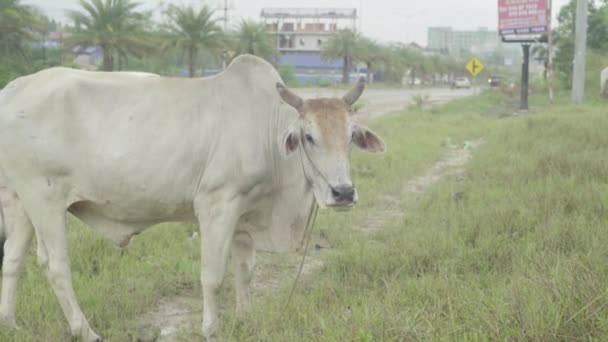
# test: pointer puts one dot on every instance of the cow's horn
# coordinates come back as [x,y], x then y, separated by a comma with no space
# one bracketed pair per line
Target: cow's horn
[353,95]
[288,96]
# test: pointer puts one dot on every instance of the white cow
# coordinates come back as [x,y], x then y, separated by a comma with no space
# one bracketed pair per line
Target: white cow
[604,82]
[123,153]
[139,73]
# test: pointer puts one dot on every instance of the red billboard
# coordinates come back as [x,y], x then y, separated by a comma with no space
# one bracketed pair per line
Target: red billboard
[523,16]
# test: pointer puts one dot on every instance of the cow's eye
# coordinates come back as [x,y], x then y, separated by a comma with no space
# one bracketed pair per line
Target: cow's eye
[310,139]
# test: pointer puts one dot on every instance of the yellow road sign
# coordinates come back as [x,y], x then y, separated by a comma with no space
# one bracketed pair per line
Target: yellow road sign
[474,66]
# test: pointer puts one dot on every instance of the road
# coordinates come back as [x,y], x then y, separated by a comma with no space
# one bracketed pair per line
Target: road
[382,101]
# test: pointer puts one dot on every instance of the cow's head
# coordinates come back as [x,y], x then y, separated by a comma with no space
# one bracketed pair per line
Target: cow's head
[325,134]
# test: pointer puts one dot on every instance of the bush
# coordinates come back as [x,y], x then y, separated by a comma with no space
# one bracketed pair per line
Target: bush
[324,83]
[288,74]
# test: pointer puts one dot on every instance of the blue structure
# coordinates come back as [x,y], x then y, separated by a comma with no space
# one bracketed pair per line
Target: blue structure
[311,68]
[308,60]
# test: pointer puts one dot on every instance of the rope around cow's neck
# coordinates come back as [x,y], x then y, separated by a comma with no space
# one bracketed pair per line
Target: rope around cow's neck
[314,166]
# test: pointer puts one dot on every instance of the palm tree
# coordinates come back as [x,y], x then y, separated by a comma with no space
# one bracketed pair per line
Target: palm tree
[19,25]
[254,38]
[192,31]
[342,44]
[113,25]
[394,62]
[370,53]
[541,54]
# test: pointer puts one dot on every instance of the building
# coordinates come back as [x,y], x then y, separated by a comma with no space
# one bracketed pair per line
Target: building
[483,43]
[300,34]
[447,41]
[88,57]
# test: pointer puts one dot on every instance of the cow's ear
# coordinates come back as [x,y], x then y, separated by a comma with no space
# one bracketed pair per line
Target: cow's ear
[289,141]
[367,140]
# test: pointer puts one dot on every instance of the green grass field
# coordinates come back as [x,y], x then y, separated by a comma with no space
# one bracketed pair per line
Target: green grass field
[520,255]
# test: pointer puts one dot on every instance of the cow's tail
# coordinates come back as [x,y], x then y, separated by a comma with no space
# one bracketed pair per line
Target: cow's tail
[2,235]
[3,226]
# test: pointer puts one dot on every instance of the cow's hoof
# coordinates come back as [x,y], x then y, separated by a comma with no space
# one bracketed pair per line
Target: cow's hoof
[96,338]
[93,338]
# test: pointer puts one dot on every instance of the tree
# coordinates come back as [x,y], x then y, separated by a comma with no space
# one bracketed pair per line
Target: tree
[597,34]
[395,62]
[342,44]
[255,39]
[192,30]
[370,53]
[598,28]
[113,25]
[541,54]
[19,25]
[414,61]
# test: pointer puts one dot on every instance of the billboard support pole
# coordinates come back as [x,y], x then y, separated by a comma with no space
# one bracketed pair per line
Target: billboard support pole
[525,71]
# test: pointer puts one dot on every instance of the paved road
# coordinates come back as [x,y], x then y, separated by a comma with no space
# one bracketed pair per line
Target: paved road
[383,101]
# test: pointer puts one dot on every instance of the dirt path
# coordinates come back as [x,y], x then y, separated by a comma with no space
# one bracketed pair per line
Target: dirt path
[175,318]
[451,164]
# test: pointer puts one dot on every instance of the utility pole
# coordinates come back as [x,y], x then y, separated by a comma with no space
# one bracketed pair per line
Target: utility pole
[550,52]
[580,47]
[361,16]
[224,52]
[225,15]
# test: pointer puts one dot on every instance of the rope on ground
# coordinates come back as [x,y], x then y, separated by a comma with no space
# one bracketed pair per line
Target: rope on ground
[312,217]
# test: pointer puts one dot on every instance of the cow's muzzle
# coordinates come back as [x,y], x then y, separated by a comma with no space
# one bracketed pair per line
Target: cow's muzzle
[343,196]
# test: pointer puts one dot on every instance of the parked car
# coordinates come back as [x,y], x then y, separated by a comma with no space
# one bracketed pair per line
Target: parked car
[461,82]
[494,81]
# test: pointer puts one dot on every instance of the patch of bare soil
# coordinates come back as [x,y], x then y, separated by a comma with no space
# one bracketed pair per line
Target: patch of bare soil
[175,318]
[272,269]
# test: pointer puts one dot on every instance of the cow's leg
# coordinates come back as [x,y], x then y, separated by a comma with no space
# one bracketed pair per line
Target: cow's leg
[218,215]
[19,232]
[42,256]
[243,262]
[48,218]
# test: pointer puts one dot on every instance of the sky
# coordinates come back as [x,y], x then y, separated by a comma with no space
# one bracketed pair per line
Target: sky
[385,20]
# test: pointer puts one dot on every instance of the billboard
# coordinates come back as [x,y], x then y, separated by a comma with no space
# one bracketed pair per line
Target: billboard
[523,17]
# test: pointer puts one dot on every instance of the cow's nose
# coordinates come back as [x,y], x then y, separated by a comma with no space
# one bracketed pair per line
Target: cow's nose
[343,193]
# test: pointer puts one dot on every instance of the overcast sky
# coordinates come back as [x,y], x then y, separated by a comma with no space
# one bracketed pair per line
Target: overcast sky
[385,20]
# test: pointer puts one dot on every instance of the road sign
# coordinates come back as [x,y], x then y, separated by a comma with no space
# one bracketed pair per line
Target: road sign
[474,66]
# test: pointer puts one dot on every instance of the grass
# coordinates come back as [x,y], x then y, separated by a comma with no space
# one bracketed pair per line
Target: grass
[520,256]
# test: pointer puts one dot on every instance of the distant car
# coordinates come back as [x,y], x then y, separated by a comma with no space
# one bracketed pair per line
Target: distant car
[494,81]
[461,82]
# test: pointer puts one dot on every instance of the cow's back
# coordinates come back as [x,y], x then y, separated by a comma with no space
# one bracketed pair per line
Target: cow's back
[140,143]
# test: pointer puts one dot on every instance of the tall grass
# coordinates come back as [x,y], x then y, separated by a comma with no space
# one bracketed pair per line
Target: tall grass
[520,255]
